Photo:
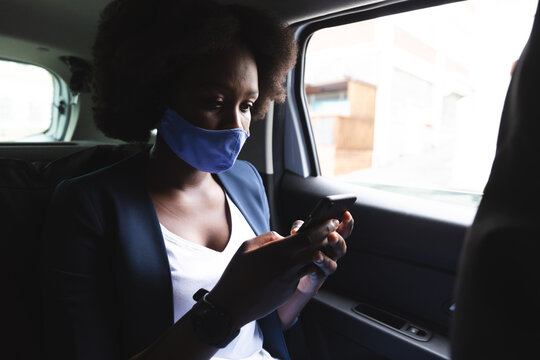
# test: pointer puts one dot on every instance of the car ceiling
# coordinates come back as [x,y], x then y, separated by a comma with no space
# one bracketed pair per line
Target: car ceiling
[40,31]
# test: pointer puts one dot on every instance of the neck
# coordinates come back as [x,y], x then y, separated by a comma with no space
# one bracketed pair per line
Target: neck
[166,171]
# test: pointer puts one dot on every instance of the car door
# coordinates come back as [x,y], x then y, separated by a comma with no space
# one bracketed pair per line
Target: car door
[392,295]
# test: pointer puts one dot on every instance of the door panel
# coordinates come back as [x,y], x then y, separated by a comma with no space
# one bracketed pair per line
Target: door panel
[344,334]
[401,259]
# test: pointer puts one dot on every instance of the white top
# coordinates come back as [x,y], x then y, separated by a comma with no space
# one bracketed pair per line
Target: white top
[195,266]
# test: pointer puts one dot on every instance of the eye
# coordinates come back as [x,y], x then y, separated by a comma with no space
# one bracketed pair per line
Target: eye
[246,107]
[212,103]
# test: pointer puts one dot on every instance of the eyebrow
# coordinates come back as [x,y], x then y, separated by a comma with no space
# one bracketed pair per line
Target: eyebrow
[224,87]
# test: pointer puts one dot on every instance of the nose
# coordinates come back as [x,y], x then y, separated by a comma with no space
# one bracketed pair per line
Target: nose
[233,119]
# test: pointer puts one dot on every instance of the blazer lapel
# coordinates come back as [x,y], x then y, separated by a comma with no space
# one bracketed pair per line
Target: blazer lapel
[244,187]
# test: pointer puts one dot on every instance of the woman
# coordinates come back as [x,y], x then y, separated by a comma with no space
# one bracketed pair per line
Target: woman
[133,249]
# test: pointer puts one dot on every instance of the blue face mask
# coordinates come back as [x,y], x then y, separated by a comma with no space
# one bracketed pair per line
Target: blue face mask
[212,151]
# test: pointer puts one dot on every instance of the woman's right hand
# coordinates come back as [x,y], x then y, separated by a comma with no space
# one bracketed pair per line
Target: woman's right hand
[265,272]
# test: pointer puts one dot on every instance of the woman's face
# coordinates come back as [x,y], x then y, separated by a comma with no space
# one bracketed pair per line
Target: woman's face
[218,93]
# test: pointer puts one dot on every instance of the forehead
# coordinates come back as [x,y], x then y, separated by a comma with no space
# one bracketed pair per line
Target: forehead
[234,67]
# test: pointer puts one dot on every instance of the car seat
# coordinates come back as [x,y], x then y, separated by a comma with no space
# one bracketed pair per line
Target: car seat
[497,312]
[26,188]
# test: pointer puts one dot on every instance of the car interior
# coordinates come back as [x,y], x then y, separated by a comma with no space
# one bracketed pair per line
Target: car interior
[433,270]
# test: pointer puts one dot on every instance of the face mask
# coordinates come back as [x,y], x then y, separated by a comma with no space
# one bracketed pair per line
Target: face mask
[212,151]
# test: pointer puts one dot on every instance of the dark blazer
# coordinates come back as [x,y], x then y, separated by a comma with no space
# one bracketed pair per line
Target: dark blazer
[107,285]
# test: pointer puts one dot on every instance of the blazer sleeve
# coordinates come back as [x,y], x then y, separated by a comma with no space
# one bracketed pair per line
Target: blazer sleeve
[78,282]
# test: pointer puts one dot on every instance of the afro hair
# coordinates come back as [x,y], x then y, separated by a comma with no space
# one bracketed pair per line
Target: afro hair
[142,47]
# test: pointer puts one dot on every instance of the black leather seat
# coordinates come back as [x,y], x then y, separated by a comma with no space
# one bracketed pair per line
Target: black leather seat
[25,191]
[498,290]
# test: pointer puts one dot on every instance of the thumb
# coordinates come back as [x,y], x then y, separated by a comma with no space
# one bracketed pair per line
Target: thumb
[261,240]
[295,226]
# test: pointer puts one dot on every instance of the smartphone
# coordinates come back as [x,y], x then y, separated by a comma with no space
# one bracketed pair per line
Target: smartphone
[328,207]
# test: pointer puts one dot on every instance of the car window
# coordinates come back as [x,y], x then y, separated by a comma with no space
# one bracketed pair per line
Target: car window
[26,100]
[411,103]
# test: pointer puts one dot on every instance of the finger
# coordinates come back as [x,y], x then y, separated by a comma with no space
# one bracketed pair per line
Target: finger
[301,260]
[347,224]
[295,226]
[314,270]
[309,269]
[296,250]
[316,236]
[337,247]
[310,239]
[261,240]
[316,276]
[324,263]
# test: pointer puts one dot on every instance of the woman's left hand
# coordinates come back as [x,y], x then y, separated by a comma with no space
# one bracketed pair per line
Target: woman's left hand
[325,260]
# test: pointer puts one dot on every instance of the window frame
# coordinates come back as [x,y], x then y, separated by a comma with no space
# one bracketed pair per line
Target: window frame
[60,122]
[293,147]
